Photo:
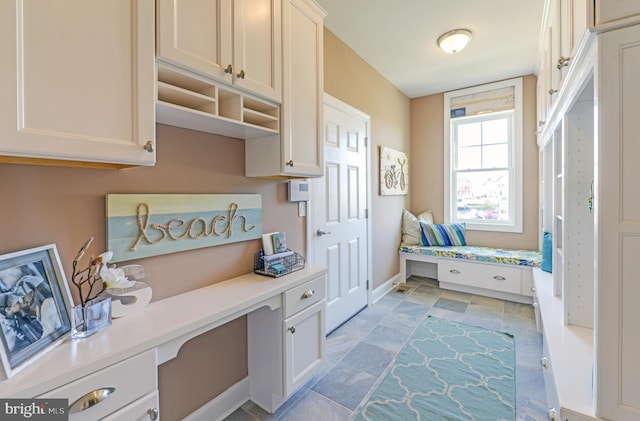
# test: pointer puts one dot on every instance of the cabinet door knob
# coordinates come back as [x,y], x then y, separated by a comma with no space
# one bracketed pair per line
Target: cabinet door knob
[499,278]
[241,74]
[91,399]
[148,146]
[308,294]
[229,69]
[292,329]
[552,91]
[290,163]
[552,414]
[563,62]
[153,413]
[455,271]
[544,362]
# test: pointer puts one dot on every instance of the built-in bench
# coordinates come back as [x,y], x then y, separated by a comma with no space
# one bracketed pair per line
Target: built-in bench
[492,272]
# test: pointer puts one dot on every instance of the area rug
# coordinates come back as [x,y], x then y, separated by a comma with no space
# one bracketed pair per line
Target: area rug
[447,371]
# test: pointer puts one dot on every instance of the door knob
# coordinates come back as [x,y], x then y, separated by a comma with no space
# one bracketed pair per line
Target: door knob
[320,233]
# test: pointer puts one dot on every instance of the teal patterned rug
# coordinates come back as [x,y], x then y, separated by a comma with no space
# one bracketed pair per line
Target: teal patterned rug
[447,371]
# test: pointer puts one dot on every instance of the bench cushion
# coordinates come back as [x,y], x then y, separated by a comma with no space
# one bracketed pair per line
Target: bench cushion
[530,258]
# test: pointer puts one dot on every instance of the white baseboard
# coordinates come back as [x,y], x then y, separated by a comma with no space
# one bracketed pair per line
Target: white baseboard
[380,291]
[224,404]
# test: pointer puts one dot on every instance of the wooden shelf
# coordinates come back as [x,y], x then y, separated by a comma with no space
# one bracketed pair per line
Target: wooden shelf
[190,101]
[571,350]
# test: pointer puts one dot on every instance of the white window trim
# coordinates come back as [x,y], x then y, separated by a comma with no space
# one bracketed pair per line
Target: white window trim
[516,187]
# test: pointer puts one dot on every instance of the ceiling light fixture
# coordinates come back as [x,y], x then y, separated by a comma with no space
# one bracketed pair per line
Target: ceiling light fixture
[454,41]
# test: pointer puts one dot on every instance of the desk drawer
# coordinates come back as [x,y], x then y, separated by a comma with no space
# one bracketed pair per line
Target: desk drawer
[127,381]
[480,275]
[302,296]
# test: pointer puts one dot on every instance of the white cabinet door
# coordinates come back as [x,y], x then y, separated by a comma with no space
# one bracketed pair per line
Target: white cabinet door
[237,42]
[257,61]
[618,225]
[298,151]
[303,150]
[77,81]
[197,34]
[304,346]
[144,409]
[608,11]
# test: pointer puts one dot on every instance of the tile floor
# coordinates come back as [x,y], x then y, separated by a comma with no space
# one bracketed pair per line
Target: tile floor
[359,351]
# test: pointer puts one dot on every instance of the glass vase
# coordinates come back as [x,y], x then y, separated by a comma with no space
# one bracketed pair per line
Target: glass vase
[92,318]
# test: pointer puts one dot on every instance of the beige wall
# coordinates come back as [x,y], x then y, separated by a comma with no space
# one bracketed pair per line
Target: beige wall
[66,206]
[352,80]
[427,169]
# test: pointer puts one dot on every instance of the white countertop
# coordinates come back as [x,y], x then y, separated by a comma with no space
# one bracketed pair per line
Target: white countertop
[164,324]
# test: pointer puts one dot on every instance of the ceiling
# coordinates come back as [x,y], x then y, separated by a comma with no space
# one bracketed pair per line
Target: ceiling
[398,38]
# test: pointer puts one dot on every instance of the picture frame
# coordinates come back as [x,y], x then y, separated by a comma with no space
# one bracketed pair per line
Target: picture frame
[35,306]
[394,172]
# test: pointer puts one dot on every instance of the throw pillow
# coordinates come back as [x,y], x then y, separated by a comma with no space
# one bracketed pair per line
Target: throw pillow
[411,226]
[443,234]
[547,252]
[426,216]
[410,229]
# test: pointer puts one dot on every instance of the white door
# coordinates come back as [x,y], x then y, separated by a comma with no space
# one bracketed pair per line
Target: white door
[339,206]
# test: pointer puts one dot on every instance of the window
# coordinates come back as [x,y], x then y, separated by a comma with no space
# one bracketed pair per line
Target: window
[483,157]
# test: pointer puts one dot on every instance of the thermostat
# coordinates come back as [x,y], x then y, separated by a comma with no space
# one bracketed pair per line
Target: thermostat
[298,190]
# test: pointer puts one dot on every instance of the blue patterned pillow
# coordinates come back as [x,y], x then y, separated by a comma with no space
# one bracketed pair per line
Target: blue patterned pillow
[443,234]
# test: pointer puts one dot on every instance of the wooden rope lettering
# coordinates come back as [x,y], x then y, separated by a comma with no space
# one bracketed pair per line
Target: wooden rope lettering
[196,228]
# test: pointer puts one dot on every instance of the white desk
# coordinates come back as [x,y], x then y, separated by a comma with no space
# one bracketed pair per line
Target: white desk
[155,335]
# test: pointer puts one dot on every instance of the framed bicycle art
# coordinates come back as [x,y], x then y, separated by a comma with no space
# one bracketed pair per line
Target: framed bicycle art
[394,172]
[35,306]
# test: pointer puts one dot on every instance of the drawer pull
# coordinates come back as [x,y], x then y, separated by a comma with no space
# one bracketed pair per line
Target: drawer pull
[544,362]
[552,414]
[153,413]
[499,278]
[455,271]
[308,294]
[292,329]
[91,399]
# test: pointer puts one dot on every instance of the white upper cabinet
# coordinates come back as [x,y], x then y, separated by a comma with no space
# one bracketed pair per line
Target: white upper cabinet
[609,11]
[298,150]
[236,42]
[78,82]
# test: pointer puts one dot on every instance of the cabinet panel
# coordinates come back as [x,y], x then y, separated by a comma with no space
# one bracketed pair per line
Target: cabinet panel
[608,11]
[196,34]
[304,295]
[257,60]
[129,380]
[85,93]
[144,409]
[617,228]
[494,277]
[304,346]
[303,75]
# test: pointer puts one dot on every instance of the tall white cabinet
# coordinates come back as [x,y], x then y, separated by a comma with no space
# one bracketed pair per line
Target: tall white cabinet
[591,204]
[297,151]
[77,82]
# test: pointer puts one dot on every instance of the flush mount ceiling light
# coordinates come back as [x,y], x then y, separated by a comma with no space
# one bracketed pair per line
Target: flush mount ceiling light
[454,41]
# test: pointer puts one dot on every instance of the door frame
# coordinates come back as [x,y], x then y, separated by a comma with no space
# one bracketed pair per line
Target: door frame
[348,109]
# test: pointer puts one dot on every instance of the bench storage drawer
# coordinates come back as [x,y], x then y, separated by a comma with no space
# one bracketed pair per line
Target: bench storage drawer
[480,275]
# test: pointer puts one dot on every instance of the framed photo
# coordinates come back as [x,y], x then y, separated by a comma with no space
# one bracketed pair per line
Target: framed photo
[35,306]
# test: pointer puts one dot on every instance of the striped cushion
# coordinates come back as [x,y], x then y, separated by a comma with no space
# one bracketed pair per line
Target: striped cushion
[443,234]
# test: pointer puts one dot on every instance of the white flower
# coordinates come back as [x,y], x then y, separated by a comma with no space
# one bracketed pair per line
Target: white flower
[115,278]
[105,257]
